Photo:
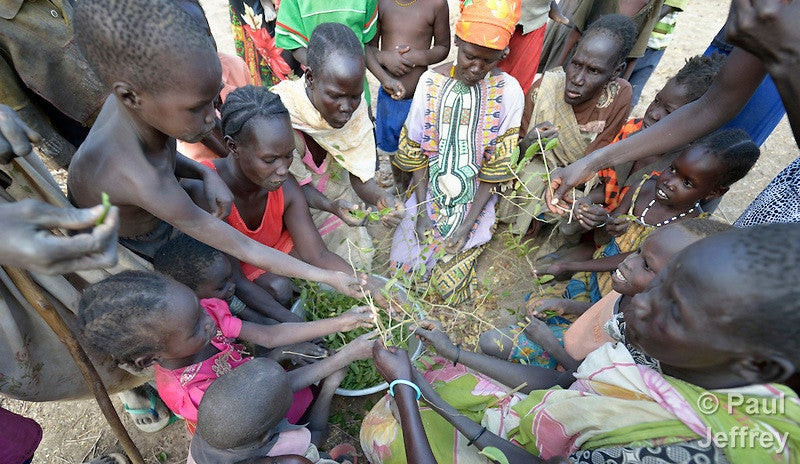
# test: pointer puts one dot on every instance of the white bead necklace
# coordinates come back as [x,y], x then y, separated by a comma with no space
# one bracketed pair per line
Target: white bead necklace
[673,218]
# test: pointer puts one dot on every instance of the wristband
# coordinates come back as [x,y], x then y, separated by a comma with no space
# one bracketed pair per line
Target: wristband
[458,354]
[404,382]
[470,443]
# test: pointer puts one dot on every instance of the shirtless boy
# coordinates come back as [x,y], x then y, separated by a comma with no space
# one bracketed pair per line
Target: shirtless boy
[164,76]
[405,31]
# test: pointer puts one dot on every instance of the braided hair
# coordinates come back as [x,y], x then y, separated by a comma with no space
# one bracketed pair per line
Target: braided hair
[246,103]
[735,152]
[120,316]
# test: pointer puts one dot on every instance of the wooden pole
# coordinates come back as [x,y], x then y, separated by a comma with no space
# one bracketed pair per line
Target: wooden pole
[39,301]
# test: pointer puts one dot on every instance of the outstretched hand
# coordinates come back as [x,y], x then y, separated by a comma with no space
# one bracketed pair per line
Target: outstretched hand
[392,362]
[562,181]
[28,243]
[431,332]
[350,213]
[346,284]
[765,28]
[356,318]
[218,194]
[396,210]
[16,138]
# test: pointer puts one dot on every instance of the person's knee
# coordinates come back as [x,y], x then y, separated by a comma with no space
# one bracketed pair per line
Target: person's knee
[279,287]
[495,343]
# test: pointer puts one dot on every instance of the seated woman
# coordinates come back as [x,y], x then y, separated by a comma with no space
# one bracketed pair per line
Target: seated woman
[335,158]
[460,131]
[584,105]
[269,205]
[707,348]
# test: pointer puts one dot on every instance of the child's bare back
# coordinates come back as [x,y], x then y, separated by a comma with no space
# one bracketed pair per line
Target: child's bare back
[406,30]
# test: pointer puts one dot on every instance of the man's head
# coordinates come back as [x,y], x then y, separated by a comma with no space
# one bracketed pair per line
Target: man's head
[202,268]
[240,407]
[599,58]
[726,311]
[335,72]
[157,60]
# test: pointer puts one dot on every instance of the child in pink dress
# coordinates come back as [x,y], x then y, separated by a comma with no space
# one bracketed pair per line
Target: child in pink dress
[143,318]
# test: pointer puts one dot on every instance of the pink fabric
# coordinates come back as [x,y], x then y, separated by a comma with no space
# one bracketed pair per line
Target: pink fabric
[19,437]
[183,389]
[292,442]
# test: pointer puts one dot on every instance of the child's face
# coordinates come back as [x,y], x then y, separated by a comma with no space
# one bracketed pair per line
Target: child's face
[669,99]
[642,266]
[265,150]
[690,178]
[185,109]
[336,91]
[473,62]
[218,282]
[687,318]
[590,69]
[188,327]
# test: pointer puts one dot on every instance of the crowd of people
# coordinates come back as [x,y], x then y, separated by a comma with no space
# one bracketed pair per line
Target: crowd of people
[229,176]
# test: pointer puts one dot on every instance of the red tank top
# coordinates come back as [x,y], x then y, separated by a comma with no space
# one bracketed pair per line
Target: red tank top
[271,232]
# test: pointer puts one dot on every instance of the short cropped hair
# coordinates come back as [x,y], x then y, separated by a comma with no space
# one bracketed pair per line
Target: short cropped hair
[619,28]
[118,316]
[767,258]
[703,227]
[241,406]
[186,260]
[137,40]
[697,74]
[249,102]
[332,40]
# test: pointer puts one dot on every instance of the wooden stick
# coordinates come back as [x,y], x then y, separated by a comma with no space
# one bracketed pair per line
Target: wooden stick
[37,299]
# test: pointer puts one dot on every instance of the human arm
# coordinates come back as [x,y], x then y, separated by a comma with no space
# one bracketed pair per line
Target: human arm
[163,197]
[569,43]
[218,196]
[305,236]
[537,306]
[419,180]
[732,87]
[340,208]
[768,29]
[455,243]
[360,348]
[257,298]
[16,138]
[393,363]
[28,243]
[287,333]
[374,195]
[390,84]
[441,40]
[470,429]
[606,264]
[505,372]
[538,332]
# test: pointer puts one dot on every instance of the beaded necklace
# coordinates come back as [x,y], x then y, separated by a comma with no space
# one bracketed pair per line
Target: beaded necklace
[403,5]
[673,218]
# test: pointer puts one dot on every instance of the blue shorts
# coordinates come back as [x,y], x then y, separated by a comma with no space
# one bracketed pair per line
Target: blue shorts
[390,115]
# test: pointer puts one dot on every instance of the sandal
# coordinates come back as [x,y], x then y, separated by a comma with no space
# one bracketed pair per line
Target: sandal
[113,458]
[161,415]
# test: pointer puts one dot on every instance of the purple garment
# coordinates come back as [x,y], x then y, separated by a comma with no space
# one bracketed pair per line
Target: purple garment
[408,253]
[19,437]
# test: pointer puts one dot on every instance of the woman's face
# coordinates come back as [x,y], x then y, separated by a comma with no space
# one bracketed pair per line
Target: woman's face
[591,67]
[264,150]
[473,62]
[336,91]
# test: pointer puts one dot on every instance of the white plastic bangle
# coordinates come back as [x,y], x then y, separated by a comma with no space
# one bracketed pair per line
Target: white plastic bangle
[404,382]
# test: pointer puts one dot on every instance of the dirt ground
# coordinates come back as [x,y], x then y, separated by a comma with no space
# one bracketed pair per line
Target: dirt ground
[75,431]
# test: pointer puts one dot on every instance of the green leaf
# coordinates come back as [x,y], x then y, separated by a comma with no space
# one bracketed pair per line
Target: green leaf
[494,454]
[551,144]
[374,216]
[385,211]
[162,457]
[546,278]
[514,156]
[106,202]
